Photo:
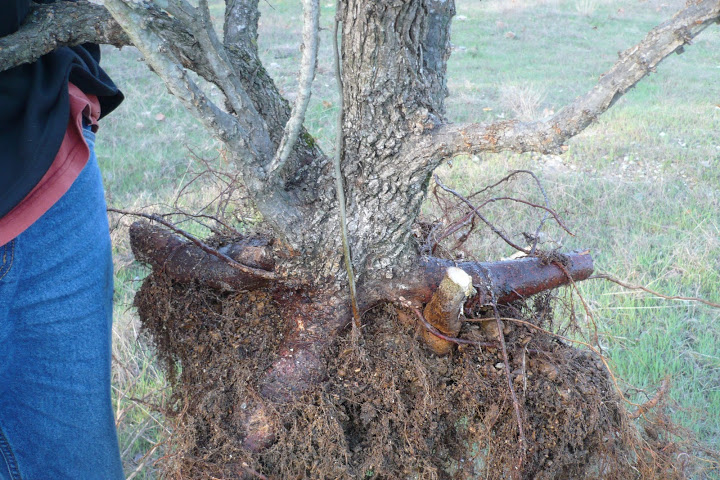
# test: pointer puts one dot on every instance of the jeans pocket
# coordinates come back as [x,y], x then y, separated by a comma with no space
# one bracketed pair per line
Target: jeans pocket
[7,255]
[8,465]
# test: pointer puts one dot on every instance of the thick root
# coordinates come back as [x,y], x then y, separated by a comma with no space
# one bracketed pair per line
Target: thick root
[444,309]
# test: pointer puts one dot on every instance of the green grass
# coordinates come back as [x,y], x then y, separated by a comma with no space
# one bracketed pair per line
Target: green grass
[640,188]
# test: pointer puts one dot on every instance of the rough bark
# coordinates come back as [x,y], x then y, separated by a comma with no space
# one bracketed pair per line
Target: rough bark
[60,24]
[394,59]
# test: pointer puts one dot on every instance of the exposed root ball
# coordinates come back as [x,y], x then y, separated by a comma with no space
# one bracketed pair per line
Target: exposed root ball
[388,409]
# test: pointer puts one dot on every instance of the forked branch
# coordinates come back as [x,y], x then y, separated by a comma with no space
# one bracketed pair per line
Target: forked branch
[550,136]
[133,19]
[239,133]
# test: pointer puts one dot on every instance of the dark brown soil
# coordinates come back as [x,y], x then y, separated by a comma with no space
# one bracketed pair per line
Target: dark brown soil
[389,409]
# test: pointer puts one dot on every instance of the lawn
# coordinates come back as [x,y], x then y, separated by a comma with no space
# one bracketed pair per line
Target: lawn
[640,188]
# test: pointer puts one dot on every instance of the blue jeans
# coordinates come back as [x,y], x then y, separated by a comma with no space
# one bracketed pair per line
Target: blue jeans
[56,288]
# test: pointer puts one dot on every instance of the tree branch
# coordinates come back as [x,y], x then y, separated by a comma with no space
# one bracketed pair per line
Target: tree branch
[550,136]
[174,38]
[158,55]
[219,71]
[241,25]
[311,14]
[165,43]
[61,24]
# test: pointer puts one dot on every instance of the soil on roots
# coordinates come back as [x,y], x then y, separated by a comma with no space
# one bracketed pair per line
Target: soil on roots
[389,408]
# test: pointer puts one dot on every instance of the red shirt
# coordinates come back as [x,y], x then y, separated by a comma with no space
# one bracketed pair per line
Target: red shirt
[69,162]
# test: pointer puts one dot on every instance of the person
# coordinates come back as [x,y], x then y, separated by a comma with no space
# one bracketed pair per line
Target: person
[56,284]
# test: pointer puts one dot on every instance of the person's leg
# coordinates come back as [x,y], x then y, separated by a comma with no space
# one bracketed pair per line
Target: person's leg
[56,418]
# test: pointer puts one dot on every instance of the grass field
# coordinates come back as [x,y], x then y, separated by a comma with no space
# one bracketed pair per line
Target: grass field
[641,188]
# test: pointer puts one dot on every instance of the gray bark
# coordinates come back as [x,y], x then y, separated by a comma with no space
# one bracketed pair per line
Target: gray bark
[48,27]
[394,56]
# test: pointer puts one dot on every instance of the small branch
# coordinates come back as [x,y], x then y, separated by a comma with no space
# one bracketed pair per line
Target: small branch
[548,211]
[610,278]
[311,26]
[550,136]
[339,187]
[463,221]
[509,177]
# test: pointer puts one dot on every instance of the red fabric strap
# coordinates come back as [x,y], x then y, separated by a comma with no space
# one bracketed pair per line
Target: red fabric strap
[68,163]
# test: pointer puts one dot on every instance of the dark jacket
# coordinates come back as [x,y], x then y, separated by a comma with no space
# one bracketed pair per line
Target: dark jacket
[35,106]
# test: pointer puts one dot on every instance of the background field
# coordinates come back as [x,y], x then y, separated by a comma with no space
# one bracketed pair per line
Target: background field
[641,188]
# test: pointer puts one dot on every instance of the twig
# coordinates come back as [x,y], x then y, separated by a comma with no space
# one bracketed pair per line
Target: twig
[610,278]
[481,217]
[339,187]
[545,197]
[549,211]
[652,403]
[195,216]
[507,178]
[257,272]
[463,221]
[588,312]
[508,376]
[311,14]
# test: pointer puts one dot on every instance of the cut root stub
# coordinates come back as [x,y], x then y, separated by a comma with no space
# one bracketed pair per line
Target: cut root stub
[444,309]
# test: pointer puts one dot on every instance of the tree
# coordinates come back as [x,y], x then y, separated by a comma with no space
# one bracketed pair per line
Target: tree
[392,71]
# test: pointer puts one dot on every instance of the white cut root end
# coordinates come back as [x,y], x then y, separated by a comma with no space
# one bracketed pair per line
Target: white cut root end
[444,309]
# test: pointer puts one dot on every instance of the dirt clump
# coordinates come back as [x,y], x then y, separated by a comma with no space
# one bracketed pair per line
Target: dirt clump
[389,408]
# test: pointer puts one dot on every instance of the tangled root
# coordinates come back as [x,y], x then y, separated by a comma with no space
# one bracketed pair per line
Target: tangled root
[388,408]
